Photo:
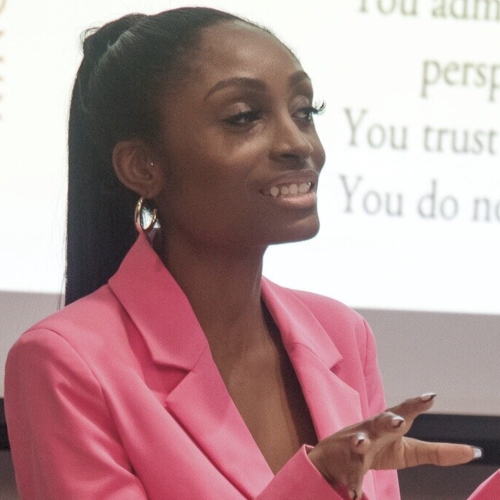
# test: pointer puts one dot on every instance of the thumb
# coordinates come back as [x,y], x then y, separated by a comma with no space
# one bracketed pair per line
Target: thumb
[444,454]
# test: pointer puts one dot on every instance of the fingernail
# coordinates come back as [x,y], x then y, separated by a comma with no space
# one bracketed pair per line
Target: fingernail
[354,495]
[360,437]
[397,421]
[478,453]
[428,396]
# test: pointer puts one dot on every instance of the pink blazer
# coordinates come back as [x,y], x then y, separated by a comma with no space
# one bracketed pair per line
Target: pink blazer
[489,490]
[117,396]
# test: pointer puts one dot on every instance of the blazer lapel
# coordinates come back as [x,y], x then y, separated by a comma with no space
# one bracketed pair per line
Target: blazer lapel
[200,402]
[204,407]
[332,403]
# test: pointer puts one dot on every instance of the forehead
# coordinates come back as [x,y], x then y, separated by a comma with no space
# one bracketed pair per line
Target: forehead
[237,49]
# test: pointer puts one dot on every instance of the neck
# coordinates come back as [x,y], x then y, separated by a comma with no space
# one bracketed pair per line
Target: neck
[224,289]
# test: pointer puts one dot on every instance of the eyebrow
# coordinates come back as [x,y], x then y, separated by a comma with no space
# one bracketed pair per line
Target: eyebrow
[297,77]
[253,83]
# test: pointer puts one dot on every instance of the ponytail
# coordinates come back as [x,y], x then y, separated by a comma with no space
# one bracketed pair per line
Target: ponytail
[100,228]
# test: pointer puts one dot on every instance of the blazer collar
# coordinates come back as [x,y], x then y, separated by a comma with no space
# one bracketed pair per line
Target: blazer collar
[316,359]
[165,319]
[162,312]
[158,307]
[297,325]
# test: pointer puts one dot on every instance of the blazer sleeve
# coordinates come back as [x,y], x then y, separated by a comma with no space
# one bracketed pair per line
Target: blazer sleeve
[300,480]
[64,445]
[489,490]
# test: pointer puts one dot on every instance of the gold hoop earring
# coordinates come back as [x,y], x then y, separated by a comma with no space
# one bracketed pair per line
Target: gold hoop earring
[139,207]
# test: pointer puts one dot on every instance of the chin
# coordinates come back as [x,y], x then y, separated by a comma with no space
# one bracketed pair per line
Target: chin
[298,232]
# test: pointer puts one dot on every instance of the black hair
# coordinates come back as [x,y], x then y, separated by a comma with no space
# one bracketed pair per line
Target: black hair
[126,65]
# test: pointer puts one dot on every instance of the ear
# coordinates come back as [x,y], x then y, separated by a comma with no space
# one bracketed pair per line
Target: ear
[135,168]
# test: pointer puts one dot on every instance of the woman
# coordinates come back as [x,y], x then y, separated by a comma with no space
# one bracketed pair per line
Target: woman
[184,374]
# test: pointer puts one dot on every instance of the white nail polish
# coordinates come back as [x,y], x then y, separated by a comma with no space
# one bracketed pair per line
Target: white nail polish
[427,396]
[478,453]
[397,421]
[360,437]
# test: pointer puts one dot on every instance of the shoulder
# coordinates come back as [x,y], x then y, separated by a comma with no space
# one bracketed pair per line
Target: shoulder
[345,327]
[353,339]
[91,326]
[327,309]
[330,313]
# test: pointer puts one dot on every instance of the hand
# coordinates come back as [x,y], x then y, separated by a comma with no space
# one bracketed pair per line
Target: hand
[379,443]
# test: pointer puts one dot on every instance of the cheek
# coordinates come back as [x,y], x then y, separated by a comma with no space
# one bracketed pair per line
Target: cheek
[221,169]
[207,189]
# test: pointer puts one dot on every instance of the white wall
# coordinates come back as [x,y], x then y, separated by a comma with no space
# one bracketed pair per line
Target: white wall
[454,355]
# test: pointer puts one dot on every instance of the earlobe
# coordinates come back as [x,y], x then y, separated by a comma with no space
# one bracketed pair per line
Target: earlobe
[135,168]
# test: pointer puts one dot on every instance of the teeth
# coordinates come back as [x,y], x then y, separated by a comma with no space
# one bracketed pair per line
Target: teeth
[304,188]
[291,189]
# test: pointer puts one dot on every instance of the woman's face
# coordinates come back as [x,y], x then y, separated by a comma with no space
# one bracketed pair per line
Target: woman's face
[239,146]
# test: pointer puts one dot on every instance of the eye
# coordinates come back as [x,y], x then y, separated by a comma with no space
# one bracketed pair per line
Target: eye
[244,117]
[306,113]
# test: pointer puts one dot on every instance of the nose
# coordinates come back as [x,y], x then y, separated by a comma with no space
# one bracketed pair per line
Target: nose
[290,142]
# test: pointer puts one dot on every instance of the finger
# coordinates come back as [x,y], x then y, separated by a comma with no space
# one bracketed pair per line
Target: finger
[356,493]
[413,407]
[348,492]
[360,443]
[387,424]
[355,485]
[443,454]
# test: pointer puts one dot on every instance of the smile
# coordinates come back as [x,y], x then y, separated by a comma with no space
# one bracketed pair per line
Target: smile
[289,190]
